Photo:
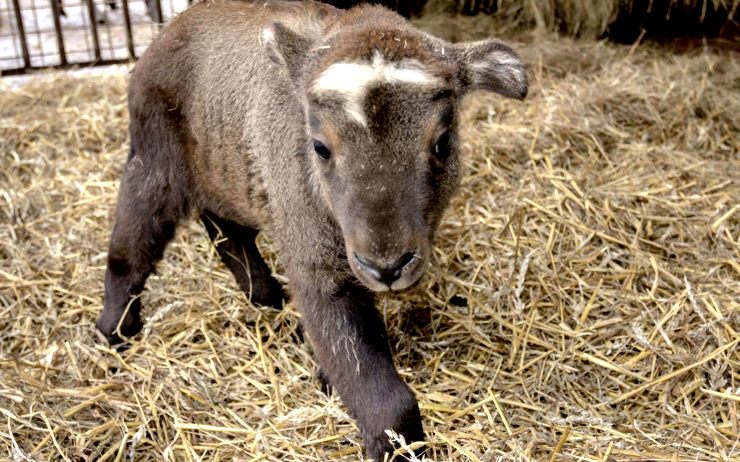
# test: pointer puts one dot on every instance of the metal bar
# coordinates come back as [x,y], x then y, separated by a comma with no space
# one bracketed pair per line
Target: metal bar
[58,30]
[94,29]
[37,31]
[22,34]
[31,70]
[157,12]
[129,32]
[6,16]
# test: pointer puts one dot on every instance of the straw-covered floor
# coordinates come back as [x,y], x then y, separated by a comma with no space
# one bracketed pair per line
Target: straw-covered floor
[623,20]
[584,301]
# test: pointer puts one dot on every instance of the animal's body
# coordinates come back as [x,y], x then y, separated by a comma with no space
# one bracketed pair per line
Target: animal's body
[335,132]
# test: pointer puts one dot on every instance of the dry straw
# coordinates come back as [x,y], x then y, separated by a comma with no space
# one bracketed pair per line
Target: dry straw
[583,305]
[591,18]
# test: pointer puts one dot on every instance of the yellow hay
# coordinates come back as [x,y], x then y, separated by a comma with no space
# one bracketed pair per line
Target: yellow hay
[582,305]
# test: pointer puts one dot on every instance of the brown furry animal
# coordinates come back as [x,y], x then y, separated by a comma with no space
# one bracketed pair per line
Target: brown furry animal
[335,131]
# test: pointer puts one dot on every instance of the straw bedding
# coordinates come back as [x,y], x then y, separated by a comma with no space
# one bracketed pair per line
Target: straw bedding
[583,303]
[619,19]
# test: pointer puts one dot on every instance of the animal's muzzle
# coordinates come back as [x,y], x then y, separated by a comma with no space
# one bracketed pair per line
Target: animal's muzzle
[382,272]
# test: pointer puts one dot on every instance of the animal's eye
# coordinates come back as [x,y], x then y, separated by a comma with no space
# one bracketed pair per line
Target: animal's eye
[443,146]
[321,150]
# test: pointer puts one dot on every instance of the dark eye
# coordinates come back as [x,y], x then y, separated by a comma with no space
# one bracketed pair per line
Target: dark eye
[443,146]
[321,150]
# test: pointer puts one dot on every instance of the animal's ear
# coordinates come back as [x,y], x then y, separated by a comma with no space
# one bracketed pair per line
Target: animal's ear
[285,47]
[492,66]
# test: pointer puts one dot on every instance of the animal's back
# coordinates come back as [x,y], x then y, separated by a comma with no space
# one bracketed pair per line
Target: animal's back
[234,107]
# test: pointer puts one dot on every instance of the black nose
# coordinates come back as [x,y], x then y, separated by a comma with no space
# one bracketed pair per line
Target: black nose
[386,274]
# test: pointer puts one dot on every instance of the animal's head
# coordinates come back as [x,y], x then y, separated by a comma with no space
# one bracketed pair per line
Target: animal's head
[381,100]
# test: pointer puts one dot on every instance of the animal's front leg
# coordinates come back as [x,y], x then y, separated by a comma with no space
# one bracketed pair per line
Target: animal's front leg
[351,346]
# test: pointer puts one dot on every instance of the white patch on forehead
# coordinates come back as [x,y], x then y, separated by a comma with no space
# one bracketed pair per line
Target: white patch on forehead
[351,80]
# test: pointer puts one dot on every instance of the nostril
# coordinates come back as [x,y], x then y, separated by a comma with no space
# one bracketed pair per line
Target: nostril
[369,266]
[401,263]
[364,261]
[386,274]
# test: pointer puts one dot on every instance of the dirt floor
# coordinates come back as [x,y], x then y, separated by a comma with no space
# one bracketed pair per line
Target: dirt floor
[583,303]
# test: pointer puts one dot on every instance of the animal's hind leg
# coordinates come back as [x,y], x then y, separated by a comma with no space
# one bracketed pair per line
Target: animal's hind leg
[235,244]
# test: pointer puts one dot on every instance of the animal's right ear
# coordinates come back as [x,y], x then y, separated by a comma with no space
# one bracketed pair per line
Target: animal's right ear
[285,47]
[490,65]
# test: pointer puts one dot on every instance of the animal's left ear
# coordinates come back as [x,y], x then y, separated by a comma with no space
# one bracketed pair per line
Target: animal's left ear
[285,47]
[491,66]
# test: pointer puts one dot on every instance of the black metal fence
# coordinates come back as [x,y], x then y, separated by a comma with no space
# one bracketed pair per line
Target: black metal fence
[38,34]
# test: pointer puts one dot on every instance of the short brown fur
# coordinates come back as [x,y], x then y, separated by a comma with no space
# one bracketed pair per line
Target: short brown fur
[225,120]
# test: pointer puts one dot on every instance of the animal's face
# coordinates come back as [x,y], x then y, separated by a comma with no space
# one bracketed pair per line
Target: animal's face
[381,115]
[385,158]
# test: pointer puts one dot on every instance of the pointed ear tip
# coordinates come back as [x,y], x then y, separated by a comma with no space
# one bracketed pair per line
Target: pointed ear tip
[523,91]
[517,88]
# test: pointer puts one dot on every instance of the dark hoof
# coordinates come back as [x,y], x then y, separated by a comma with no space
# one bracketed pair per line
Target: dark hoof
[407,425]
[120,342]
[118,336]
[272,295]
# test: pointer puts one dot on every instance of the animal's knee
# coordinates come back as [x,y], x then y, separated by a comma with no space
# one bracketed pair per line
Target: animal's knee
[118,262]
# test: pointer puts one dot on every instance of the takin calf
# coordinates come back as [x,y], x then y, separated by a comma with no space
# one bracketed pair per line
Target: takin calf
[333,130]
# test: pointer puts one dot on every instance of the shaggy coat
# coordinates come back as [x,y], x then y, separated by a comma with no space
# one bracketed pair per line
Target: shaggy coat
[336,133]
